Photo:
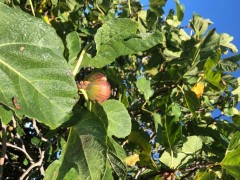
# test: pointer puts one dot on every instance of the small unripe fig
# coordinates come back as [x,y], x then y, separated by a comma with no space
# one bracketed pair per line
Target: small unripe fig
[96,86]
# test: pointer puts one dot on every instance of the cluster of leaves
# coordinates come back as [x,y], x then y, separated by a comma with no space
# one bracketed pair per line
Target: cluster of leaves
[166,80]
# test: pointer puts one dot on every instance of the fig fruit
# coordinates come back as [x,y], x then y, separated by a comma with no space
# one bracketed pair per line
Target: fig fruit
[96,86]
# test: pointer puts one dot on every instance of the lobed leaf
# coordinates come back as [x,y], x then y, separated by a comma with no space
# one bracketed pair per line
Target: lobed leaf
[119,37]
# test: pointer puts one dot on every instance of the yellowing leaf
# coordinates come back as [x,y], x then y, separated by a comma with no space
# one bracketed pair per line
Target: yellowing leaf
[132,159]
[46,19]
[198,89]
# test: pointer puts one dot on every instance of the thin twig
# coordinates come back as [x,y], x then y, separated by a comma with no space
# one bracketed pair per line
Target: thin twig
[34,124]
[17,135]
[100,9]
[37,164]
[139,172]
[22,150]
[129,7]
[4,149]
[32,9]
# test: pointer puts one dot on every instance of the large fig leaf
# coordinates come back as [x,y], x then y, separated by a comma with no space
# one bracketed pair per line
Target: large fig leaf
[85,155]
[35,78]
[119,37]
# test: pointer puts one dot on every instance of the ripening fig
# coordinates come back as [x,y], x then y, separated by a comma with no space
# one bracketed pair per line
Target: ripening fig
[98,90]
[95,76]
[96,86]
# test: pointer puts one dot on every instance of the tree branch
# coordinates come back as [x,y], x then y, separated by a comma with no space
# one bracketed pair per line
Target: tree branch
[22,150]
[37,164]
[4,149]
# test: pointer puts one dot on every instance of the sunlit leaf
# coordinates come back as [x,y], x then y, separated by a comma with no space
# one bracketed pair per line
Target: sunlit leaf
[144,87]
[192,145]
[118,37]
[174,161]
[119,121]
[199,25]
[35,78]
[206,175]
[225,41]
[132,159]
[231,163]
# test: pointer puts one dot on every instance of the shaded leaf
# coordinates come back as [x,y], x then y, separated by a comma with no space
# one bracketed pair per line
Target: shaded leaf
[116,148]
[146,160]
[180,10]
[108,175]
[73,45]
[138,139]
[228,65]
[118,37]
[192,101]
[171,131]
[118,166]
[33,70]
[157,120]
[236,120]
[209,45]
[230,80]
[6,114]
[85,153]
[157,6]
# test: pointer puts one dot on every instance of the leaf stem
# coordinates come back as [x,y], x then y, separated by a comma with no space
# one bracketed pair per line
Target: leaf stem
[32,9]
[100,9]
[180,89]
[147,110]
[129,7]
[171,151]
[81,58]
[84,94]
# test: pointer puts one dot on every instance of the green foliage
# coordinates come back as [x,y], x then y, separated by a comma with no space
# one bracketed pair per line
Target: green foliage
[165,84]
[33,69]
